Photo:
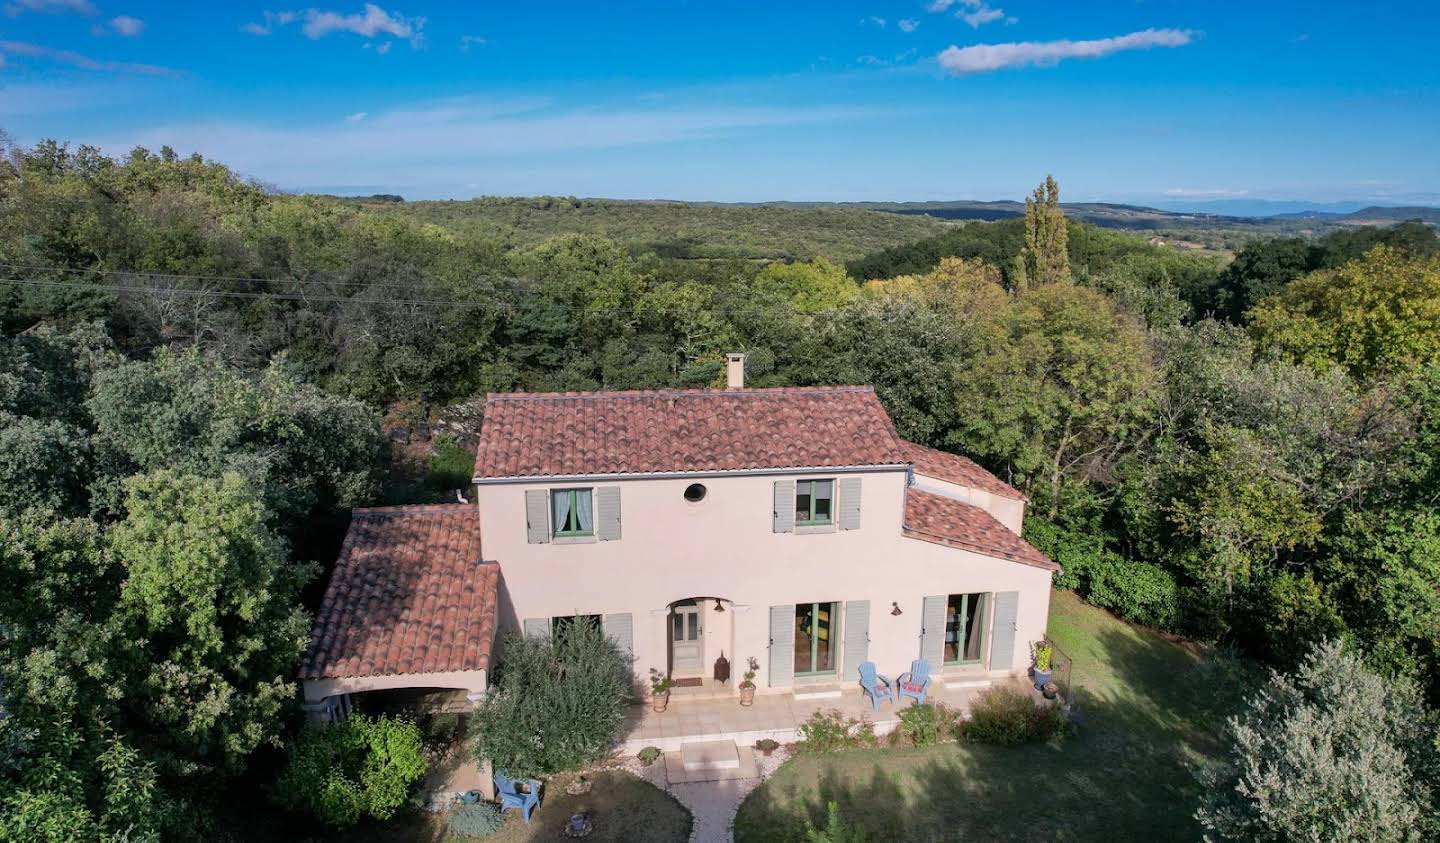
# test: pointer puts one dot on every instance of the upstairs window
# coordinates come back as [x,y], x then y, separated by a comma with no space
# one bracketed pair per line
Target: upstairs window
[572,512]
[814,502]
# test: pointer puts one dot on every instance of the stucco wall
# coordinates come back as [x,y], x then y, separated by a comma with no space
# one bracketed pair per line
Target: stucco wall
[724,547]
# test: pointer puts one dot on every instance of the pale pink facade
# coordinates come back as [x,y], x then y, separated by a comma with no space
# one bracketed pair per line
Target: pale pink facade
[726,548]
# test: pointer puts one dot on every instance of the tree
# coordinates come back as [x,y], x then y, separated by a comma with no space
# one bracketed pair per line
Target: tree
[1373,317]
[1259,270]
[1330,753]
[360,767]
[210,604]
[559,702]
[811,287]
[1047,257]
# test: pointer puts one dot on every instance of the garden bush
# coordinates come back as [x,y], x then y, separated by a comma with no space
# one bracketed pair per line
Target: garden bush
[359,767]
[1136,591]
[924,725]
[828,731]
[649,755]
[1010,717]
[559,702]
[474,821]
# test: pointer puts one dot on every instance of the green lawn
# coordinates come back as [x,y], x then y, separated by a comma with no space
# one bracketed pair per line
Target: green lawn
[625,809]
[1150,710]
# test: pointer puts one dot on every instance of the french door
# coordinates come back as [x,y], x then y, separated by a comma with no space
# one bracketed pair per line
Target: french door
[816,625]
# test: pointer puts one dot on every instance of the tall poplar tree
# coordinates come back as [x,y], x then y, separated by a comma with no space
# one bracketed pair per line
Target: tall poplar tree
[1047,260]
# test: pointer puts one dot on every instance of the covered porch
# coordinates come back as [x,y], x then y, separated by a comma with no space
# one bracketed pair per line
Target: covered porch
[708,716]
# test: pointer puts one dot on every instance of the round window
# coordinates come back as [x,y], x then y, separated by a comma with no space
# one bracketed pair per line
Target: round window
[695,492]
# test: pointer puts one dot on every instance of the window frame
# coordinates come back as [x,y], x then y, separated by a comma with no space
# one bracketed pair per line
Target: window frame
[829,520]
[559,621]
[574,493]
[962,619]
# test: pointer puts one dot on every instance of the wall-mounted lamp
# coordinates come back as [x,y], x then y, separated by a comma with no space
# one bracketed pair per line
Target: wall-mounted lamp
[718,607]
[896,611]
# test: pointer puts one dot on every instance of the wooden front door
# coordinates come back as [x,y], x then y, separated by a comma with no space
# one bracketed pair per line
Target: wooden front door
[687,641]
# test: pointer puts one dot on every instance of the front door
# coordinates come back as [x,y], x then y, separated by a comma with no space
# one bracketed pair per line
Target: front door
[687,645]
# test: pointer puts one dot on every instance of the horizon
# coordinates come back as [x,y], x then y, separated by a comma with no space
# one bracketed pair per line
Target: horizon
[1154,104]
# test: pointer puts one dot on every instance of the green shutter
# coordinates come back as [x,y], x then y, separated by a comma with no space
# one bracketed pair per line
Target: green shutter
[932,630]
[620,629]
[537,627]
[857,635]
[784,506]
[537,516]
[849,503]
[607,513]
[782,645]
[1002,647]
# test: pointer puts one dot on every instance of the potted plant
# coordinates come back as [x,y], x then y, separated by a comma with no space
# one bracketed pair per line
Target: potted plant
[659,689]
[747,682]
[766,746]
[1044,652]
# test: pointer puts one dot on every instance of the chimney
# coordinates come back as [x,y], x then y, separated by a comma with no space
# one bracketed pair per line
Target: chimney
[735,370]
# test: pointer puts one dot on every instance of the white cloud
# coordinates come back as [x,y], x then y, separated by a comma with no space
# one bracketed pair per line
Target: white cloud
[20,7]
[127,26]
[468,41]
[940,5]
[880,22]
[908,24]
[981,16]
[74,59]
[369,23]
[982,58]
[357,117]
[1206,192]
[873,61]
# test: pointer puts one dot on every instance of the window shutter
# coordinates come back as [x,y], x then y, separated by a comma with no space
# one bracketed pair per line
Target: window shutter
[784,506]
[620,630]
[849,503]
[537,627]
[537,516]
[1002,648]
[782,644]
[857,634]
[607,513]
[932,630]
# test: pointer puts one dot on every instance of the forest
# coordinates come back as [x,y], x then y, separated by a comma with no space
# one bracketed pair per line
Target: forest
[194,372]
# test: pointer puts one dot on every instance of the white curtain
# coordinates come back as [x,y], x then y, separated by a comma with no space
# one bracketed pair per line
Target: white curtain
[583,509]
[560,502]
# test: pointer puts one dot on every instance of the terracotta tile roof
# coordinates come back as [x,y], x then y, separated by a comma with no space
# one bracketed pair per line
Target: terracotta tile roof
[590,433]
[409,594]
[941,520]
[956,469]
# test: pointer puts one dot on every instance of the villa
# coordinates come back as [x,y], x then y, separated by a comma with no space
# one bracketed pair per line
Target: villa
[700,528]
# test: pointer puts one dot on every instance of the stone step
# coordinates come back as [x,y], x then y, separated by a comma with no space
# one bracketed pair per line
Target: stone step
[954,684]
[710,755]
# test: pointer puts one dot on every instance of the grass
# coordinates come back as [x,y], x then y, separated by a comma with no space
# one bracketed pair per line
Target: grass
[625,808]
[1150,707]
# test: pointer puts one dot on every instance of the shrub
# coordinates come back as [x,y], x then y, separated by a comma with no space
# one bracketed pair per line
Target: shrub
[1332,752]
[361,766]
[559,703]
[828,731]
[649,755]
[1136,591]
[1010,717]
[924,725]
[480,820]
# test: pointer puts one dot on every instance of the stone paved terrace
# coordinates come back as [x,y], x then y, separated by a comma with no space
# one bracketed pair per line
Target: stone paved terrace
[715,713]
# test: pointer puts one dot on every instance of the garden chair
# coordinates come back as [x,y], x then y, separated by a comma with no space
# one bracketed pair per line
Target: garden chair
[511,796]
[875,686]
[915,682]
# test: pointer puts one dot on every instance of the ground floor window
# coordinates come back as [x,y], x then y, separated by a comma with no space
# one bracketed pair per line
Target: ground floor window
[559,626]
[815,638]
[964,628]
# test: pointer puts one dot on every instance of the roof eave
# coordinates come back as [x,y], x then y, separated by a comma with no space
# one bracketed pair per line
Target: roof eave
[481,480]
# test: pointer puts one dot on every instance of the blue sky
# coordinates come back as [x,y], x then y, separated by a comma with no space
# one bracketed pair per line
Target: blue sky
[1142,100]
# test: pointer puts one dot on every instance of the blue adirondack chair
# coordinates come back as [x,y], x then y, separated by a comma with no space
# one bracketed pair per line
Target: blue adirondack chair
[918,676]
[875,686]
[511,796]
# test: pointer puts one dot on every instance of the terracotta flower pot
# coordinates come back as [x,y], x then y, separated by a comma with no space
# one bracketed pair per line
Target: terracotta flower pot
[660,701]
[747,695]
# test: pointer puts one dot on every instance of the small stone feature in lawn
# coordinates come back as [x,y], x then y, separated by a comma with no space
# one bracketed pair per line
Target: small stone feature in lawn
[579,786]
[579,825]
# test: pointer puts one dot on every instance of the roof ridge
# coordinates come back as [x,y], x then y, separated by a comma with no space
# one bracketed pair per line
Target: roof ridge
[745,392]
[413,508]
